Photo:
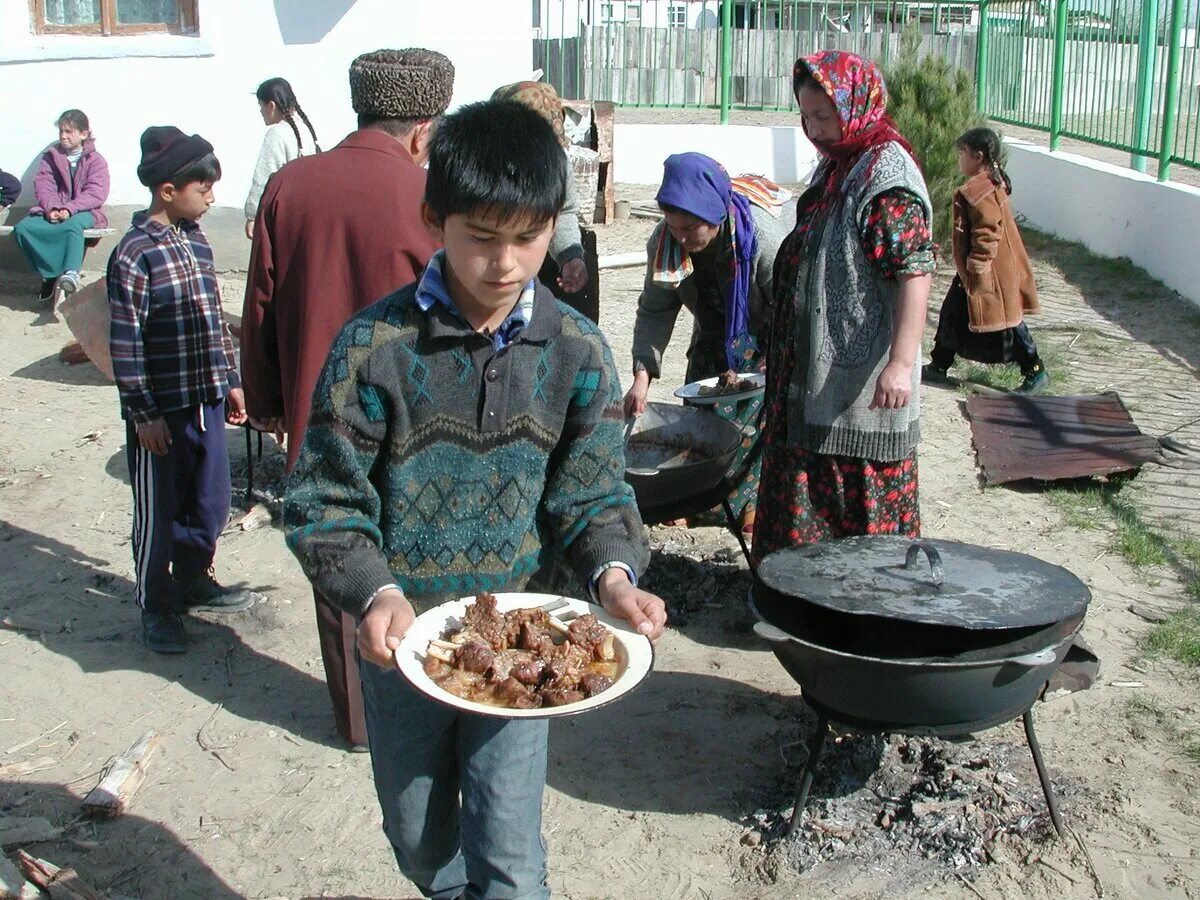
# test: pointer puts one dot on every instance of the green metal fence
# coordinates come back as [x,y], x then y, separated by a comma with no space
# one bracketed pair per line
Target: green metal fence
[1123,74]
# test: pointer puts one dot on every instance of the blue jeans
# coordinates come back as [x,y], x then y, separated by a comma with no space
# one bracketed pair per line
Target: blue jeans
[425,757]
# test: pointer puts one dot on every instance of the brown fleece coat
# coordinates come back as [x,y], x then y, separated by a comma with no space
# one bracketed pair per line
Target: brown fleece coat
[990,257]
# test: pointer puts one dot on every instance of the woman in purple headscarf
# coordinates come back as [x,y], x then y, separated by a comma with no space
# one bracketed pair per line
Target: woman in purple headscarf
[713,253]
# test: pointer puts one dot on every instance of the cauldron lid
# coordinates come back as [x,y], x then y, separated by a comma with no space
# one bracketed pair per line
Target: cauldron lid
[930,581]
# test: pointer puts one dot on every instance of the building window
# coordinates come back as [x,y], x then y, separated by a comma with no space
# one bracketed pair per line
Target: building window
[677,15]
[537,13]
[107,17]
[633,13]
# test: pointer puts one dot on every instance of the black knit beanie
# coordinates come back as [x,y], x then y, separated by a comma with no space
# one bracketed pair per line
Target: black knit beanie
[165,151]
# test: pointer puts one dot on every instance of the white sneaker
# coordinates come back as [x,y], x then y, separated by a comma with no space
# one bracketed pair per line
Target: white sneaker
[68,282]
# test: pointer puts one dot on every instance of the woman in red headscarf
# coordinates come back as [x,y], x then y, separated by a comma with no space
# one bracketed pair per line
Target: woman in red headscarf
[851,289]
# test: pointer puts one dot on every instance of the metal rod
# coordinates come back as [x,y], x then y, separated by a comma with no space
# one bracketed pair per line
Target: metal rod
[981,59]
[1043,775]
[249,467]
[815,745]
[1171,99]
[1147,64]
[727,58]
[1060,54]
[736,527]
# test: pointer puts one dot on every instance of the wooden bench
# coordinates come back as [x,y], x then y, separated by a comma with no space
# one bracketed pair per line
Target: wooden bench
[91,236]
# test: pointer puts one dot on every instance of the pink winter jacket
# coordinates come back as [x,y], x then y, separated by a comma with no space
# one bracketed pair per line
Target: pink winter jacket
[53,188]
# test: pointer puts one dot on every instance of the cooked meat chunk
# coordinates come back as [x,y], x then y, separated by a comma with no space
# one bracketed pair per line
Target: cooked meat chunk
[475,657]
[506,661]
[554,697]
[529,671]
[587,632]
[516,695]
[536,638]
[594,683]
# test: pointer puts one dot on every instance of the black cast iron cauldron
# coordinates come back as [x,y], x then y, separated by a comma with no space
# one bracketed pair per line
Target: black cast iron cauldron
[678,452]
[882,639]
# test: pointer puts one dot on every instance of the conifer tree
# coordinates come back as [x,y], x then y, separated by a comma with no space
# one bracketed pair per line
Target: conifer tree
[933,102]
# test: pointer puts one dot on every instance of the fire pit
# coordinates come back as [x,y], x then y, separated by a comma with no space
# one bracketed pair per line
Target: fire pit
[938,638]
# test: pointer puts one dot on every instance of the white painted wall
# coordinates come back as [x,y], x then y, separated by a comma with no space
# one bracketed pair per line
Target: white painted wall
[1112,211]
[205,84]
[782,154]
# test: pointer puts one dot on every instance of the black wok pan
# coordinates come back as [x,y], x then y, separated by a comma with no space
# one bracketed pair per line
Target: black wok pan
[678,452]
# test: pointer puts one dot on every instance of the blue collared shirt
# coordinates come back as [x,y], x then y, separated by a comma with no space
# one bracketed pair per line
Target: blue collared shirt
[432,289]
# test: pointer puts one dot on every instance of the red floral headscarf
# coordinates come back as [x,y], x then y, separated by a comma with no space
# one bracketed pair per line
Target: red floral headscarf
[855,85]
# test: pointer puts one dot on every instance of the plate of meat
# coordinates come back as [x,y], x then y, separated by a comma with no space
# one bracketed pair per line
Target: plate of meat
[523,655]
[727,386]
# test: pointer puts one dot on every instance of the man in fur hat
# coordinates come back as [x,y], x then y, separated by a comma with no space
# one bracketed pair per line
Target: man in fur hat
[335,232]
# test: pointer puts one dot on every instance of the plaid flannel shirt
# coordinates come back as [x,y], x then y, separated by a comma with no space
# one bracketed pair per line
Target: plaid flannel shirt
[170,347]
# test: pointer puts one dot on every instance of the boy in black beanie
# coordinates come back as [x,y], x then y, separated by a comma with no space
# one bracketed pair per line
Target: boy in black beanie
[178,381]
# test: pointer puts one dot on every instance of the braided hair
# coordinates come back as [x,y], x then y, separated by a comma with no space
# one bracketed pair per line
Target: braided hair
[279,92]
[986,142]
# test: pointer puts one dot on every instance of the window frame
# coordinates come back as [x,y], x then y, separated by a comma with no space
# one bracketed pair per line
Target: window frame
[677,10]
[108,26]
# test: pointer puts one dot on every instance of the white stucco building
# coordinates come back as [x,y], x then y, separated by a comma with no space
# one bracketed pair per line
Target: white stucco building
[202,77]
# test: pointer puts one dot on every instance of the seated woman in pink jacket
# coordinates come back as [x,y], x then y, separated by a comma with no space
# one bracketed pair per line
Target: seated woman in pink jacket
[69,189]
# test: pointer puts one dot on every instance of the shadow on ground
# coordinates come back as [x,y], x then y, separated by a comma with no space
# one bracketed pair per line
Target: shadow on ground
[220,667]
[128,856]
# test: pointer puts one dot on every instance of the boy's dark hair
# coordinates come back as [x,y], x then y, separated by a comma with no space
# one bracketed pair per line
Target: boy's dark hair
[76,118]
[206,170]
[497,158]
[986,142]
[279,91]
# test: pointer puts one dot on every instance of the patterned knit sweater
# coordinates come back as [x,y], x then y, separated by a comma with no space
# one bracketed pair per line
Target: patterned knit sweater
[434,462]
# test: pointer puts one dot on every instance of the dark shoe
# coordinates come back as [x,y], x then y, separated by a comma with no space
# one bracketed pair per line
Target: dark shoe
[46,291]
[931,374]
[164,632]
[1034,383]
[202,593]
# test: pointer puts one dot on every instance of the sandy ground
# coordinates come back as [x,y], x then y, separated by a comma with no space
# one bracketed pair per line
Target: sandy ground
[252,796]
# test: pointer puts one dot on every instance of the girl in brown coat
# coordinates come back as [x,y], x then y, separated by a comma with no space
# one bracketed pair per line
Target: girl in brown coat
[982,317]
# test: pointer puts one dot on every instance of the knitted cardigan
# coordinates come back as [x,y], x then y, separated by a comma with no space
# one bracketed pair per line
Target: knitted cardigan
[434,462]
[844,329]
[279,148]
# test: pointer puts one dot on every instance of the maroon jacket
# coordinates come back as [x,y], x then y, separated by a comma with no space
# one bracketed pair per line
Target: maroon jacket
[54,189]
[335,232]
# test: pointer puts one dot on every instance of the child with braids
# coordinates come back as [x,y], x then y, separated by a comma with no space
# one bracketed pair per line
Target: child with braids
[282,142]
[982,317]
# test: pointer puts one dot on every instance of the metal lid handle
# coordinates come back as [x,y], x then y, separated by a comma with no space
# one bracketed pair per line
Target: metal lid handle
[935,560]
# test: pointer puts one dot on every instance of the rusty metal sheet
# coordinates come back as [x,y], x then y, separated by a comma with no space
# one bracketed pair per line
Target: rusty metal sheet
[1051,438]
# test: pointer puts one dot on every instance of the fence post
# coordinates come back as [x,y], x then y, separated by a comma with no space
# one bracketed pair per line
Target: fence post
[1171,99]
[726,58]
[1060,57]
[981,59]
[1147,68]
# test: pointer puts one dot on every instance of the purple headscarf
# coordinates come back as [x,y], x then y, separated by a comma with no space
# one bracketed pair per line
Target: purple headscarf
[699,185]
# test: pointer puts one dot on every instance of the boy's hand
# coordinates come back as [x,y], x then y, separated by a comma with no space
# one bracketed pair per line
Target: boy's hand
[644,611]
[155,437]
[383,626]
[635,399]
[573,276]
[235,407]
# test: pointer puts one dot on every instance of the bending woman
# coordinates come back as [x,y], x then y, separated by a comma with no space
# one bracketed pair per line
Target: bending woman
[713,253]
[852,286]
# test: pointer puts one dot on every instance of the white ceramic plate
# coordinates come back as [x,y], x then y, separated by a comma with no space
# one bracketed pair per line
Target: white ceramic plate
[691,392]
[634,652]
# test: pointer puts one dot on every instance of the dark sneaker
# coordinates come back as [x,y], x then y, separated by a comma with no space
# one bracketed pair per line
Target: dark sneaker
[46,291]
[164,632]
[1034,383]
[931,374]
[68,283]
[202,593]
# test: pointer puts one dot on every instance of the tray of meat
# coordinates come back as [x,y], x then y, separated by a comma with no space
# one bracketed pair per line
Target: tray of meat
[726,386]
[523,655]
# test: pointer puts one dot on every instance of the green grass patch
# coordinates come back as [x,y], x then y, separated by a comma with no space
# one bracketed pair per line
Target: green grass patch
[1082,508]
[1178,637]
[1008,377]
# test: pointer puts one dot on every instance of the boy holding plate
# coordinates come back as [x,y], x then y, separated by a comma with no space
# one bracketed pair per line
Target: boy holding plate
[466,430]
